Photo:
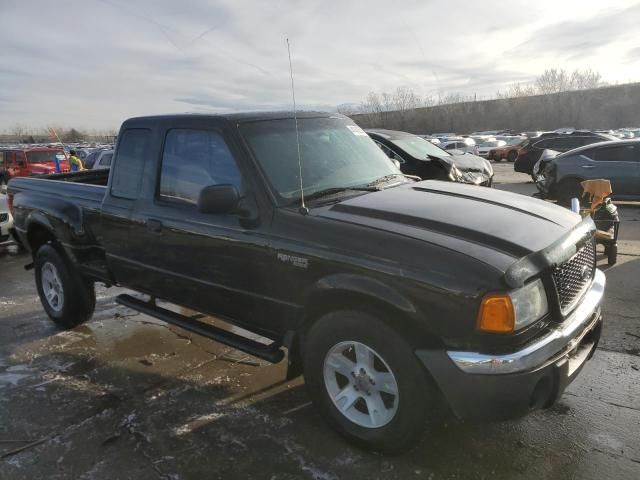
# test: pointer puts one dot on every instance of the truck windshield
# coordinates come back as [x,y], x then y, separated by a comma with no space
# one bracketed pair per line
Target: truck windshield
[335,153]
[43,157]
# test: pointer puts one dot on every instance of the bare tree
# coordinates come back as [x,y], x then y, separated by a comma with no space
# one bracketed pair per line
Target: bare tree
[73,136]
[18,131]
[553,80]
[517,90]
[585,80]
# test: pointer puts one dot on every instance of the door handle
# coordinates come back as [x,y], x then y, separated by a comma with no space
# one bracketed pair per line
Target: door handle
[588,166]
[154,226]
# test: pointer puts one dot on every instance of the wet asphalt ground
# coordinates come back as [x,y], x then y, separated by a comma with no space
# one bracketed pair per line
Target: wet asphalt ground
[126,396]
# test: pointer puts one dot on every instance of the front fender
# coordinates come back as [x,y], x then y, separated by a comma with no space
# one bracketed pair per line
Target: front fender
[349,283]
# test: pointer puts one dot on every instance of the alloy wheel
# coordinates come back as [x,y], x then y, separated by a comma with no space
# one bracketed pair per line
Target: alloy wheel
[360,384]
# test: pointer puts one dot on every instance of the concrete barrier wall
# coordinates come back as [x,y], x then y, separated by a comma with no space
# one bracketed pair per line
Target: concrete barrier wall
[602,108]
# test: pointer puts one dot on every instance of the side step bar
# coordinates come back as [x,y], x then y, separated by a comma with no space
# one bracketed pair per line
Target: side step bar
[271,353]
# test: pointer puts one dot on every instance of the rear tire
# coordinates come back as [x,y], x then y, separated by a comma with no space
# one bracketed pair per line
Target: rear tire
[366,381]
[67,297]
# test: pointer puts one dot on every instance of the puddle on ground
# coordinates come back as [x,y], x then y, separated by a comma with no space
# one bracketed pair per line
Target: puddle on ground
[13,375]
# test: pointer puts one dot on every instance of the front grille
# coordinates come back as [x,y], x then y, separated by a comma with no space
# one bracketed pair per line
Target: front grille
[572,278]
[4,217]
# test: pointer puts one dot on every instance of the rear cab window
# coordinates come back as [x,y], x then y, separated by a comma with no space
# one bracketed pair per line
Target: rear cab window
[127,174]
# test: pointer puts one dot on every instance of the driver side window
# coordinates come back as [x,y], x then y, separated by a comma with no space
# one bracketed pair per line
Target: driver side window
[194,159]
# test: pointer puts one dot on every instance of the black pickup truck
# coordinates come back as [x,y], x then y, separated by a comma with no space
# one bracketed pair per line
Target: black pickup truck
[388,294]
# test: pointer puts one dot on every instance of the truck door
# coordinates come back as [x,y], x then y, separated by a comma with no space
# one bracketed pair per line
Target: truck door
[215,263]
[122,192]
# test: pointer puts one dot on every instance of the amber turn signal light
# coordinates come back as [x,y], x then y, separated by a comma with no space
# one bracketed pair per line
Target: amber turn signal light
[496,314]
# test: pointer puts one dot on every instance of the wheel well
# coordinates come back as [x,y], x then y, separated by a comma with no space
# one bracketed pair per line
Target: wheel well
[401,321]
[38,236]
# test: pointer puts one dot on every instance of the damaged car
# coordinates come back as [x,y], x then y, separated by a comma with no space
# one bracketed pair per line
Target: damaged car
[416,156]
[558,175]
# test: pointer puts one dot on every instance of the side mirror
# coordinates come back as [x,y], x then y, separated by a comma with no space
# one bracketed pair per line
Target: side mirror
[218,199]
[3,189]
[396,163]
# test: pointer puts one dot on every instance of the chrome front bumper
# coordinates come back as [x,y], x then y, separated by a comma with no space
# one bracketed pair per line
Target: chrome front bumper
[548,349]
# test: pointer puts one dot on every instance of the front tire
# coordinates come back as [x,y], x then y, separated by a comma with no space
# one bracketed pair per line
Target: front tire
[367,382]
[512,155]
[67,297]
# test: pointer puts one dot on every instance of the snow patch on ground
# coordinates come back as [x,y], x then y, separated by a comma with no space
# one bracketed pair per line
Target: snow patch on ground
[196,422]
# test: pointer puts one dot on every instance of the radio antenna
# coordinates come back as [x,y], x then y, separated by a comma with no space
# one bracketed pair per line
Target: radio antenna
[303,208]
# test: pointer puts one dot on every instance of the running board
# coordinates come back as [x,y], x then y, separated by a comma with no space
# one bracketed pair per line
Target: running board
[271,353]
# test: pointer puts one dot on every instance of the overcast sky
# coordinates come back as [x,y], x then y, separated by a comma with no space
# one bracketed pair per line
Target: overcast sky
[93,63]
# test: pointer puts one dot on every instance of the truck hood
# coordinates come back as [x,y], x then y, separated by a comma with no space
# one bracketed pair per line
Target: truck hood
[494,226]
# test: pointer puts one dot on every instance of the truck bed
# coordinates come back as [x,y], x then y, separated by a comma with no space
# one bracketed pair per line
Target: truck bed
[91,177]
[87,186]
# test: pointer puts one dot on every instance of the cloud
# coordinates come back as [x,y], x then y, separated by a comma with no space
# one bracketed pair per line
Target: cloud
[93,63]
[583,37]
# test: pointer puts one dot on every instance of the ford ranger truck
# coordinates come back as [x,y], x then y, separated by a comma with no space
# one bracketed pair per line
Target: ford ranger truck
[388,294]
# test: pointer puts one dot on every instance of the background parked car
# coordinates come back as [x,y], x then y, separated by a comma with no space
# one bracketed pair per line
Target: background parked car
[464,145]
[7,233]
[427,161]
[429,138]
[617,161]
[24,162]
[480,139]
[508,151]
[83,152]
[530,152]
[103,160]
[486,147]
[90,159]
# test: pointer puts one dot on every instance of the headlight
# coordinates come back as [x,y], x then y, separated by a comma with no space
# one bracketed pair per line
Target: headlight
[505,313]
[529,304]
[455,174]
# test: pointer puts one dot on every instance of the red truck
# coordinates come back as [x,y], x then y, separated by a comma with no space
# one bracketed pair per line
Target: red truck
[25,162]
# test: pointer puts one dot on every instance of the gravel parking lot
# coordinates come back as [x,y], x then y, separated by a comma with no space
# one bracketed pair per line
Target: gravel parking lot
[126,396]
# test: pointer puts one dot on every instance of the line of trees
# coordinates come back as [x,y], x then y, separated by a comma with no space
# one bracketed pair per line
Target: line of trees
[395,109]
[23,134]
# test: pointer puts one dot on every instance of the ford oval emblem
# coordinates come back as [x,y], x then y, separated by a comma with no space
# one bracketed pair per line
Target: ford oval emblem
[585,273]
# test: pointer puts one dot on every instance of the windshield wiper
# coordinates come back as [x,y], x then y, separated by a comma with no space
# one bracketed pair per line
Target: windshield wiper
[331,191]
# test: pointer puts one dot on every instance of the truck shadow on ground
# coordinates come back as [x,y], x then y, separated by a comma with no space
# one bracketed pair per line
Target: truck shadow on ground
[123,397]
